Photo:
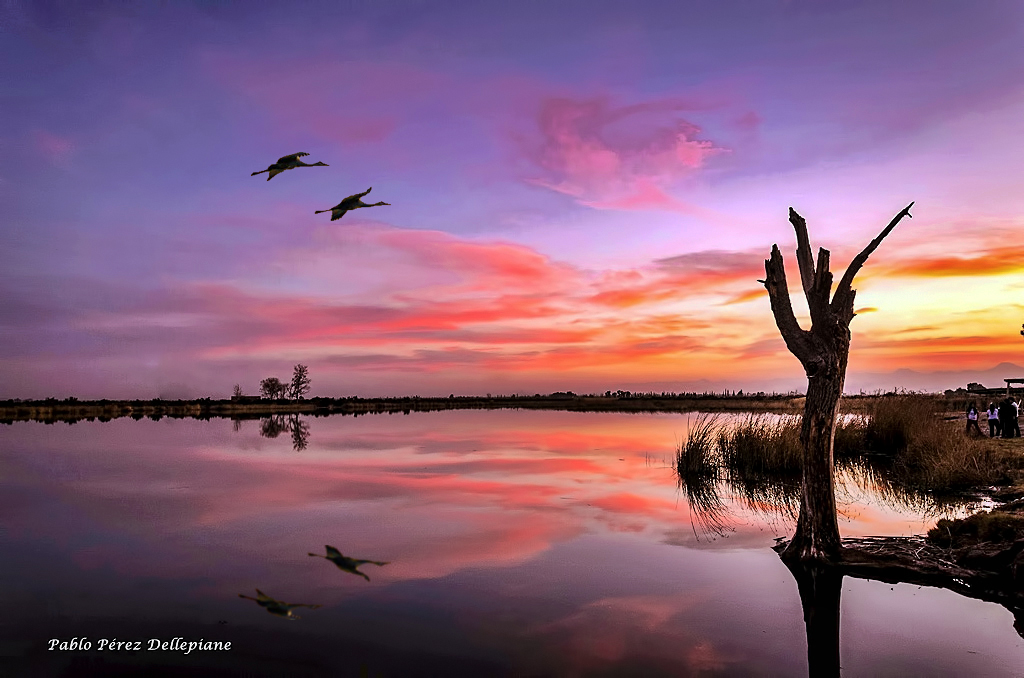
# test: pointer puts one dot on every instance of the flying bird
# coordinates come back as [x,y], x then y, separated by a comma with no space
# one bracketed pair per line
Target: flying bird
[277,607]
[346,564]
[288,162]
[353,202]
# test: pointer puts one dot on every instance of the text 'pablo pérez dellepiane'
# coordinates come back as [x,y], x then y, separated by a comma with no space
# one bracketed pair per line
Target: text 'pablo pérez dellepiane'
[153,644]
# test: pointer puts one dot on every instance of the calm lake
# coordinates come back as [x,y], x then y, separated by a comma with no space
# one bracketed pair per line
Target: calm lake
[518,543]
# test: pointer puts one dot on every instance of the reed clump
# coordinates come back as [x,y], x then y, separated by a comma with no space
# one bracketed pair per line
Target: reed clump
[696,456]
[903,438]
[928,451]
[760,444]
[893,422]
[699,471]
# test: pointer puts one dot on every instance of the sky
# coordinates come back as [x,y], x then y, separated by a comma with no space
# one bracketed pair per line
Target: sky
[582,194]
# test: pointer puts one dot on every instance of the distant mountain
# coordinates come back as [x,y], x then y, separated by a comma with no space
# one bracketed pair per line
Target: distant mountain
[906,379]
[932,381]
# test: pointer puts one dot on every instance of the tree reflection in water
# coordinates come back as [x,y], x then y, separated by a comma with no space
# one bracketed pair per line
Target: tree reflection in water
[820,588]
[711,479]
[276,424]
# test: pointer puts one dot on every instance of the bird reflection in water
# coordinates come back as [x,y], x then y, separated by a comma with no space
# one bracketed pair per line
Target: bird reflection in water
[350,565]
[277,607]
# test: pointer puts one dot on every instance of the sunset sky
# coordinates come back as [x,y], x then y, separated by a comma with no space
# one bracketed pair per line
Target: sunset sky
[582,193]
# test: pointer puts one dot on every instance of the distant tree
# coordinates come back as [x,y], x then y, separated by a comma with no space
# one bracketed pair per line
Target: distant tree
[300,382]
[272,388]
[237,393]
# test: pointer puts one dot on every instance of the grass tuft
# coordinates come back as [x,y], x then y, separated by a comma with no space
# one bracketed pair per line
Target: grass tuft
[996,526]
[903,442]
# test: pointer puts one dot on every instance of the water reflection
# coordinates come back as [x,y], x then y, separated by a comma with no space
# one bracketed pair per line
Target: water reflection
[277,607]
[520,543]
[276,424]
[712,478]
[345,564]
[708,485]
[820,590]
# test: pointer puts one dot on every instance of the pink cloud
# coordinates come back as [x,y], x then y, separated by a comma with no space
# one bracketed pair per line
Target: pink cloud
[682,276]
[617,158]
[487,264]
[646,195]
[448,305]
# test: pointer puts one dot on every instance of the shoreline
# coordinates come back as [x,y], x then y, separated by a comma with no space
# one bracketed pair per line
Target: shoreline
[71,411]
[250,407]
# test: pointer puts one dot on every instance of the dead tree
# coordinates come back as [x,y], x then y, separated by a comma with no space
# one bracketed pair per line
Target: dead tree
[823,351]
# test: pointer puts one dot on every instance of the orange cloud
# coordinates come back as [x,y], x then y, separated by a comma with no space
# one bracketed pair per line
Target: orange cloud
[997,260]
[938,342]
[745,296]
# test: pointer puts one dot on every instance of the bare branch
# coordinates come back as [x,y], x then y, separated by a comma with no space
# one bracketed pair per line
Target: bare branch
[842,306]
[803,252]
[817,298]
[796,338]
[858,261]
[822,276]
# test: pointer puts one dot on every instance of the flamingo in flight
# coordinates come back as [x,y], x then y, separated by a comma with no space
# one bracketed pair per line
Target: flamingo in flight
[277,607]
[347,564]
[353,202]
[288,162]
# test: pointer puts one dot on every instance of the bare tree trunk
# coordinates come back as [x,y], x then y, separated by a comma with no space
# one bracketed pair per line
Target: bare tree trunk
[823,351]
[817,531]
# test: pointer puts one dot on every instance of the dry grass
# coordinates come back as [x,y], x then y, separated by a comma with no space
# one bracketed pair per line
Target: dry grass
[700,473]
[761,444]
[997,526]
[904,439]
[930,452]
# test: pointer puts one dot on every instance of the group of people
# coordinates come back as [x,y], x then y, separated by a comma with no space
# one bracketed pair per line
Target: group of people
[1002,419]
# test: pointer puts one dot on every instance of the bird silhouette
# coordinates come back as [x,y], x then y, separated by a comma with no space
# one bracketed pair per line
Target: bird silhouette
[288,162]
[277,607]
[345,563]
[353,202]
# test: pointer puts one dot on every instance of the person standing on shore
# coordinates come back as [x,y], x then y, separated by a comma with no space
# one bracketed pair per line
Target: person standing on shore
[1016,414]
[972,419]
[993,421]
[1006,417]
